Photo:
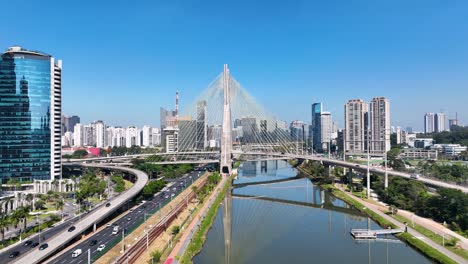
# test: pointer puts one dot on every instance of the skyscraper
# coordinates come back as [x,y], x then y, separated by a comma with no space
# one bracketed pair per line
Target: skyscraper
[429,123]
[315,124]
[440,123]
[30,120]
[325,131]
[379,125]
[356,126]
[201,126]
[69,123]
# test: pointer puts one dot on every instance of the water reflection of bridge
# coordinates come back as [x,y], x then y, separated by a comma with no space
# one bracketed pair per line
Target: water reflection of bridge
[325,206]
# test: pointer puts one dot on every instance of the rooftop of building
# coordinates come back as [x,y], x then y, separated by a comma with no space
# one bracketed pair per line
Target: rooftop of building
[21,50]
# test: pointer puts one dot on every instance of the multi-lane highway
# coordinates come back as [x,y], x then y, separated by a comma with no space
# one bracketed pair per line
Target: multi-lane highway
[101,213]
[126,222]
[44,236]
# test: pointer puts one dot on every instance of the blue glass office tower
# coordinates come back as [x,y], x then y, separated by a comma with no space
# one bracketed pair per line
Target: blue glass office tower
[316,128]
[30,116]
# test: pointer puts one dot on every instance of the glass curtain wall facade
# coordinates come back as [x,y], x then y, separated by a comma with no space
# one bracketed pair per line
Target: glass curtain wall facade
[29,104]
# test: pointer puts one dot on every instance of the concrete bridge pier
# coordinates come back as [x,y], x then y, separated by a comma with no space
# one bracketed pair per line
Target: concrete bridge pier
[94,227]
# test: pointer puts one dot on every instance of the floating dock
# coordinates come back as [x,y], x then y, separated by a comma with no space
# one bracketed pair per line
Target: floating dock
[373,234]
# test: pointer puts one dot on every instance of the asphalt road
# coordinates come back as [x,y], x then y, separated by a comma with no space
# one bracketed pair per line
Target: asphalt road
[105,236]
[45,235]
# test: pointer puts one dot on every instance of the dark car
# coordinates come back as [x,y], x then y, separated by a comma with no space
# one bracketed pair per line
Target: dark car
[27,243]
[43,246]
[107,204]
[71,228]
[35,244]
[93,242]
[14,254]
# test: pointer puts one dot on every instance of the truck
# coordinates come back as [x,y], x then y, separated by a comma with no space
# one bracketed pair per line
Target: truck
[76,253]
[115,231]
[414,176]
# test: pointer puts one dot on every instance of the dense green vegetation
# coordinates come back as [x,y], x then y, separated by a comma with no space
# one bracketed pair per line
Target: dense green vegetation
[449,171]
[196,243]
[448,205]
[133,150]
[413,241]
[90,186]
[203,192]
[457,135]
[156,170]
[152,188]
[119,183]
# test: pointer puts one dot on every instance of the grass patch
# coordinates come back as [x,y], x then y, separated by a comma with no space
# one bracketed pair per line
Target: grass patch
[450,244]
[418,244]
[199,237]
[426,249]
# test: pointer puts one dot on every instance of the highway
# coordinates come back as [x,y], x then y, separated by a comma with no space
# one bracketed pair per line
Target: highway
[338,162]
[45,236]
[90,219]
[360,167]
[136,215]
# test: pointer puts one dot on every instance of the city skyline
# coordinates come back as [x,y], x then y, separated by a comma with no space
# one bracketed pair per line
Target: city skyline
[326,52]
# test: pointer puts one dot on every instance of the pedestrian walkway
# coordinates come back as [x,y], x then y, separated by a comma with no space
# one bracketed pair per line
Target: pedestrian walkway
[185,239]
[375,208]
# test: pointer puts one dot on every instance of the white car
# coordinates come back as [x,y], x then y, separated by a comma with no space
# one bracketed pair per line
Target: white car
[101,247]
[172,195]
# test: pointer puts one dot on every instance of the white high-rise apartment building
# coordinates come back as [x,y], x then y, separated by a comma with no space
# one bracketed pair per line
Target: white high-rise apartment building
[147,135]
[119,136]
[132,137]
[379,125]
[429,123]
[325,130]
[67,139]
[78,135]
[440,122]
[155,136]
[100,132]
[109,136]
[88,135]
[356,122]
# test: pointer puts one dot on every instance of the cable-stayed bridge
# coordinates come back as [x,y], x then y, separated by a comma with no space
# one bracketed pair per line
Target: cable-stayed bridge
[226,123]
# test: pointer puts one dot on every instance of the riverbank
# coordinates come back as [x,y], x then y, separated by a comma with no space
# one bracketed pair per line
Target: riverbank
[198,239]
[420,242]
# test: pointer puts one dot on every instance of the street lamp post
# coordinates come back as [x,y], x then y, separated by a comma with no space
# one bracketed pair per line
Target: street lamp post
[368,165]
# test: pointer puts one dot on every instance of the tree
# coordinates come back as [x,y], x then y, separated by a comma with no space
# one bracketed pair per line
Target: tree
[4,224]
[80,153]
[175,230]
[156,256]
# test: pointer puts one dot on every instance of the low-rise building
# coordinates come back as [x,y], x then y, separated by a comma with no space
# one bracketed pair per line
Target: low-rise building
[449,149]
[417,153]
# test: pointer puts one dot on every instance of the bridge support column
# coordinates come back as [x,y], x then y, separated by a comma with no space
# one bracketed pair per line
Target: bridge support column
[226,138]
[94,227]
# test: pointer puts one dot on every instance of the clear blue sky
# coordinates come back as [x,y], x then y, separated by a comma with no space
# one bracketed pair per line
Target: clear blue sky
[123,60]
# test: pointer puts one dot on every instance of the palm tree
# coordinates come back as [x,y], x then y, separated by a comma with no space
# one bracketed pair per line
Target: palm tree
[23,213]
[29,198]
[59,204]
[55,182]
[4,224]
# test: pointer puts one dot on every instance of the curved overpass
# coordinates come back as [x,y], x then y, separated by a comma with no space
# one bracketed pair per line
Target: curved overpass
[97,215]
[359,167]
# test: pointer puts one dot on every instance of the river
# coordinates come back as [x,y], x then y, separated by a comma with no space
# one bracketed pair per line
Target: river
[290,220]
